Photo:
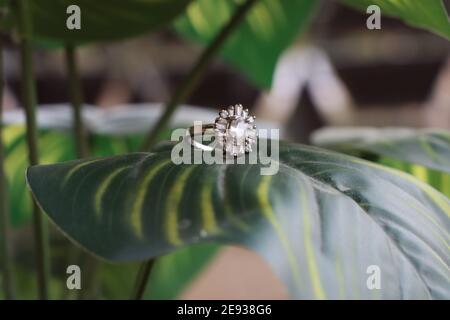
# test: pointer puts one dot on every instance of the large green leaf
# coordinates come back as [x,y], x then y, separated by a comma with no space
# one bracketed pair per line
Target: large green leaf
[321,221]
[426,14]
[102,20]
[254,48]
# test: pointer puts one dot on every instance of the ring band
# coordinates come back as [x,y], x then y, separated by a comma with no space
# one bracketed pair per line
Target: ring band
[190,135]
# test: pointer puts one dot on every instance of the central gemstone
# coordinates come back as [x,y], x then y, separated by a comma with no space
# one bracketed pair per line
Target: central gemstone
[235,136]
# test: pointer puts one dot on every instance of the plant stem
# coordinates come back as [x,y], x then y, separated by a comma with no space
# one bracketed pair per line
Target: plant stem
[142,278]
[90,265]
[76,98]
[5,250]
[195,74]
[181,94]
[91,270]
[29,103]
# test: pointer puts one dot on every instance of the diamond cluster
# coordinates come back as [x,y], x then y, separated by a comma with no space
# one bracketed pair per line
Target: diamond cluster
[235,130]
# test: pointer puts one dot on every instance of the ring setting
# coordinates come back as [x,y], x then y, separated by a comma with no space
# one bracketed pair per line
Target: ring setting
[234,130]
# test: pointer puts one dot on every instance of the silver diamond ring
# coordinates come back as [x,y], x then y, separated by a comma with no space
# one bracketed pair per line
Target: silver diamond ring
[234,131]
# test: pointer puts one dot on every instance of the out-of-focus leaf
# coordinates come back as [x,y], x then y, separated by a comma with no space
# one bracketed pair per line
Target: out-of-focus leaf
[321,221]
[430,147]
[174,272]
[6,19]
[429,14]
[116,280]
[101,20]
[438,179]
[53,146]
[254,48]
[422,153]
[25,284]
[170,275]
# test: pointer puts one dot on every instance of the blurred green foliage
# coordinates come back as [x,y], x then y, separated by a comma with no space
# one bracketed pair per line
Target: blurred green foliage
[429,14]
[255,46]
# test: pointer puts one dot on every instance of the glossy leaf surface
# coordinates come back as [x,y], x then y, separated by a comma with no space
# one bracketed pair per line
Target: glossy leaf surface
[322,221]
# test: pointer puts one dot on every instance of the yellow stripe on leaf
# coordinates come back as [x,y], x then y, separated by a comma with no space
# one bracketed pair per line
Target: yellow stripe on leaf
[173,201]
[208,216]
[136,211]
[102,189]
[76,168]
[267,211]
[309,249]
[420,172]
[12,133]
[445,184]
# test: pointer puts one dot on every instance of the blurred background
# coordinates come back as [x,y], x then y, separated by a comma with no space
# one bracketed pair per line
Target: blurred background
[337,73]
